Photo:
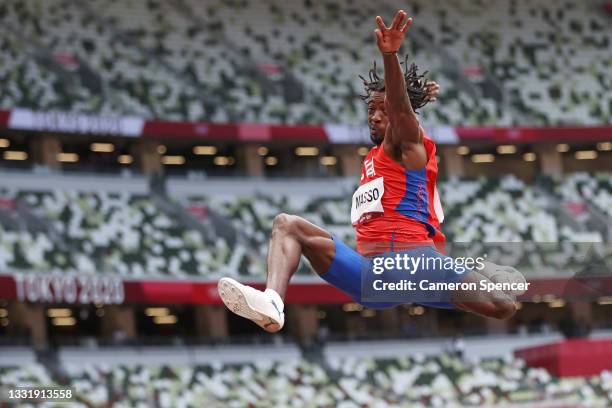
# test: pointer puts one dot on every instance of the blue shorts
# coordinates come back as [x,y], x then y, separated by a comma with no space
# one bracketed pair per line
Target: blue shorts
[357,275]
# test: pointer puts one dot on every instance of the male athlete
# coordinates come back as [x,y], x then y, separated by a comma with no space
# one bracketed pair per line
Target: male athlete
[394,210]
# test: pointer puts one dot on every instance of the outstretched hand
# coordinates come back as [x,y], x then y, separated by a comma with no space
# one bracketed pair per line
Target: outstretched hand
[389,39]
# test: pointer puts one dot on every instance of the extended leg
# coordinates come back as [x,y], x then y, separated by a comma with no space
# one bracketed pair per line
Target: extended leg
[291,238]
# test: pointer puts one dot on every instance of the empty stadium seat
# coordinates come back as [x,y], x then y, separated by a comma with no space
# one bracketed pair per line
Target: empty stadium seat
[439,381]
[227,234]
[241,59]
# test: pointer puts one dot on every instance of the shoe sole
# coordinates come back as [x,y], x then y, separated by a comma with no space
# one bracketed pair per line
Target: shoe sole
[507,270]
[231,293]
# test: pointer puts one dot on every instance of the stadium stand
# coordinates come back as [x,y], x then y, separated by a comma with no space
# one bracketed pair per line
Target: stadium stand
[505,210]
[595,189]
[134,235]
[564,83]
[183,61]
[114,232]
[438,381]
[125,80]
[490,210]
[109,261]
[255,214]
[28,84]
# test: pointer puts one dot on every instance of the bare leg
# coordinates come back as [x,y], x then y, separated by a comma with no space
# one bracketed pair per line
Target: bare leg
[292,237]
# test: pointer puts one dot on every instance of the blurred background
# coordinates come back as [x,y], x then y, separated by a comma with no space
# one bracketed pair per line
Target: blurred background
[146,146]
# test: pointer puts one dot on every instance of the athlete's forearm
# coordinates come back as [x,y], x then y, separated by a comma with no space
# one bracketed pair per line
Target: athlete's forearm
[395,85]
[400,112]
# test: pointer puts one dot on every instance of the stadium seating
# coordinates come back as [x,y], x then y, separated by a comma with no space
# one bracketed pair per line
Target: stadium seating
[255,215]
[517,223]
[27,83]
[113,232]
[327,46]
[438,381]
[131,235]
[194,47]
[504,210]
[595,189]
[133,82]
[516,217]
[243,59]
[549,54]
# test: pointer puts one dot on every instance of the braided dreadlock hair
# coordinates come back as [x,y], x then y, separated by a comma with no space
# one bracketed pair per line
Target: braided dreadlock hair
[415,84]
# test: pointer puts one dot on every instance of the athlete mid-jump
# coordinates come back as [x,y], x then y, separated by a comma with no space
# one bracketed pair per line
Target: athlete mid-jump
[403,216]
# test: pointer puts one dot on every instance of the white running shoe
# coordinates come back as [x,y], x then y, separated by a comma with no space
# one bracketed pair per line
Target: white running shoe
[263,308]
[505,274]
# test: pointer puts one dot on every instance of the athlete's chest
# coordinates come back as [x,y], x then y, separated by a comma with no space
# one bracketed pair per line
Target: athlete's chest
[377,166]
[368,201]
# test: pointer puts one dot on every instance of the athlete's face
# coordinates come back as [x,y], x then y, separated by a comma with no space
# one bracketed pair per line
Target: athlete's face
[377,117]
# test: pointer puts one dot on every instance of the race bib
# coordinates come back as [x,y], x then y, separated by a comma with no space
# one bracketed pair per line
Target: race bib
[367,202]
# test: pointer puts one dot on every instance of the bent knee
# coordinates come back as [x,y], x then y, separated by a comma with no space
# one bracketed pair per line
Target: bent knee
[285,223]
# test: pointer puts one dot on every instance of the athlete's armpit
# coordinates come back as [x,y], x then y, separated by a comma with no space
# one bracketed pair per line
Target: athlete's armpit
[411,155]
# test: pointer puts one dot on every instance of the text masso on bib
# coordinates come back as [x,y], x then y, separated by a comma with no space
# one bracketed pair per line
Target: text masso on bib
[367,202]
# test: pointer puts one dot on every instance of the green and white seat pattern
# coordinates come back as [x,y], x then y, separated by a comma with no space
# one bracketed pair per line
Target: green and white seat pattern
[434,381]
